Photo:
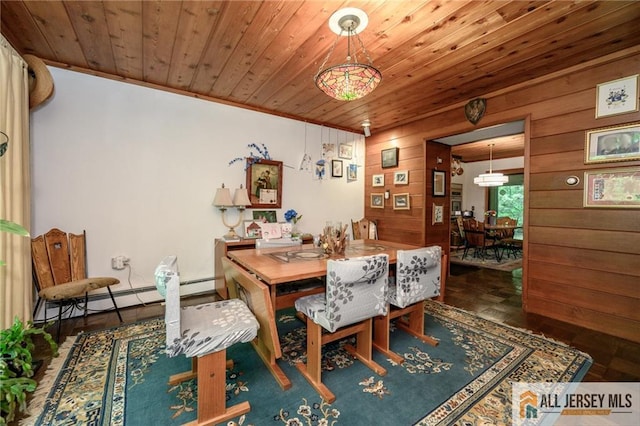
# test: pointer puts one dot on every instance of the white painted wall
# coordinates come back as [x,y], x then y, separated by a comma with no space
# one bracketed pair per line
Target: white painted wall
[474,195]
[137,168]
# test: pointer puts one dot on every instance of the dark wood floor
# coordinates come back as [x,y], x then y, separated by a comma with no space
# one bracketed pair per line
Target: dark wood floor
[491,294]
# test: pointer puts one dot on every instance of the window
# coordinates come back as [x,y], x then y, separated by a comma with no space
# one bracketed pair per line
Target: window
[508,200]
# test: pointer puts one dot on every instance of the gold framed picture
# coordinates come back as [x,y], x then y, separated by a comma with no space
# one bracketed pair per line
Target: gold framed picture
[264,182]
[377,201]
[401,201]
[612,188]
[614,143]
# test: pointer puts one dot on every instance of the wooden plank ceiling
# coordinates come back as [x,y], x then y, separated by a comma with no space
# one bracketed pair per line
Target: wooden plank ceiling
[264,55]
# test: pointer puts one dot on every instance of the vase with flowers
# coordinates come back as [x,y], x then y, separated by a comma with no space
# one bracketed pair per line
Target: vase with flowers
[490,217]
[293,218]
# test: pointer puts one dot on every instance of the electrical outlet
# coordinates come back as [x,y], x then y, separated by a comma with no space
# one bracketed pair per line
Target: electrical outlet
[119,262]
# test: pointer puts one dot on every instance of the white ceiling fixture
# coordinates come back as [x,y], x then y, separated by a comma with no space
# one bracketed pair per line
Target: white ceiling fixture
[491,179]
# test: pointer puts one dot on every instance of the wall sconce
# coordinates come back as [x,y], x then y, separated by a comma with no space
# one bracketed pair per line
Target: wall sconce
[223,201]
[387,194]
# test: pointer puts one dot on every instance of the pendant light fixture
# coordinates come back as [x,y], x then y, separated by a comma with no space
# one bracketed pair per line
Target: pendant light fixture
[491,179]
[350,80]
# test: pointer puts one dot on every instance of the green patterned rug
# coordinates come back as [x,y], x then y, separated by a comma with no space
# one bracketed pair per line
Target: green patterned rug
[119,377]
[489,262]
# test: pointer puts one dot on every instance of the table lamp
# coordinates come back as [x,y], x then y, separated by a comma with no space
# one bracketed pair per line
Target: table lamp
[223,201]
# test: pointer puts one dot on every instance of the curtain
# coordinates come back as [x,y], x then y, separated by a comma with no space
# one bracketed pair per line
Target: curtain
[15,187]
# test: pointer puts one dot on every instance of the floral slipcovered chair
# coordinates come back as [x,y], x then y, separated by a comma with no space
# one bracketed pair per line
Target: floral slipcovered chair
[356,291]
[204,332]
[418,277]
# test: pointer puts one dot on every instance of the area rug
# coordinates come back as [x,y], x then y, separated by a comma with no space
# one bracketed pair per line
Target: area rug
[489,262]
[119,377]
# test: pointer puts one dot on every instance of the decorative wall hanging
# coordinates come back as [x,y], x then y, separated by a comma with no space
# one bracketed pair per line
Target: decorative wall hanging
[456,166]
[389,157]
[617,97]
[614,143]
[263,154]
[320,170]
[437,214]
[378,180]
[613,188]
[264,181]
[474,110]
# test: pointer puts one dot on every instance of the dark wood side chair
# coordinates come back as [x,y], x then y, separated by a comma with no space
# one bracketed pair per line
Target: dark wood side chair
[60,273]
[476,238]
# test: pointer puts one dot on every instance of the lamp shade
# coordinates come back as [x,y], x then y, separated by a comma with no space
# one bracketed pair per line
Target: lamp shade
[241,197]
[223,197]
[491,179]
[349,81]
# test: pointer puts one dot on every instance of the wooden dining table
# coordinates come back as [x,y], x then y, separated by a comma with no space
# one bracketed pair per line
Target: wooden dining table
[283,265]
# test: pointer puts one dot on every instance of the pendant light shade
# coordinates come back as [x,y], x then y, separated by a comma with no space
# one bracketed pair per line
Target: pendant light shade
[350,80]
[491,179]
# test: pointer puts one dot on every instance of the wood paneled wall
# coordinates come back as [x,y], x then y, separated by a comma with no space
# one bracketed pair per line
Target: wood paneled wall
[581,265]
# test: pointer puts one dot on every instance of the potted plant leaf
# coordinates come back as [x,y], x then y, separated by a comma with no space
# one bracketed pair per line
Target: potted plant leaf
[16,366]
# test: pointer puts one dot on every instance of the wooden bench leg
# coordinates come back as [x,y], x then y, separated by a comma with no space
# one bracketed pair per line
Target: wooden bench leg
[312,371]
[210,371]
[381,338]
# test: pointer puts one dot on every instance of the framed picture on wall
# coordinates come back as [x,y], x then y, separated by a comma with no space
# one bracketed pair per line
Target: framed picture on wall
[264,182]
[345,150]
[614,143]
[439,183]
[378,180]
[401,201]
[389,157]
[352,172]
[617,97]
[377,201]
[336,168]
[265,216]
[437,214]
[401,177]
[612,188]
